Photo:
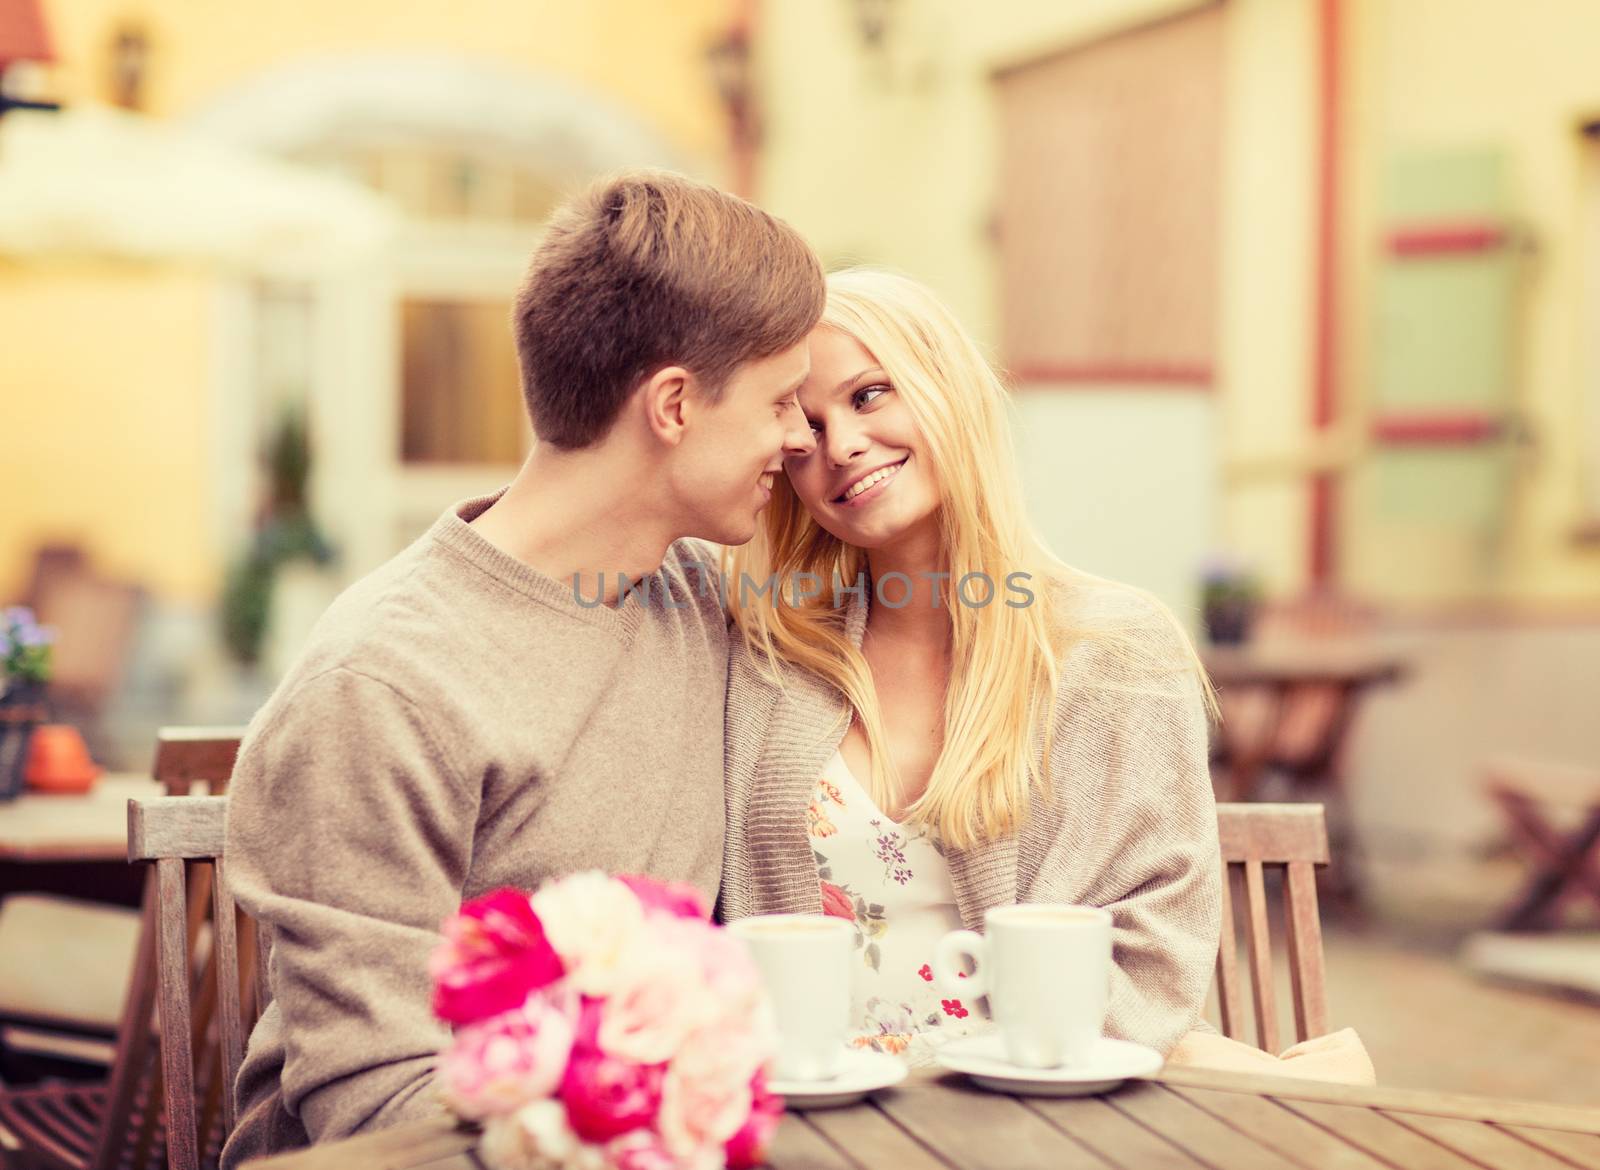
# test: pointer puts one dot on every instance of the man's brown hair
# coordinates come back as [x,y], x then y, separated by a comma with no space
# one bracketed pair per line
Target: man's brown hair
[645,270]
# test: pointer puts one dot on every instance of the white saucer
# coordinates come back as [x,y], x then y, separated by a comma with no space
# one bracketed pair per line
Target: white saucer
[983,1058]
[864,1072]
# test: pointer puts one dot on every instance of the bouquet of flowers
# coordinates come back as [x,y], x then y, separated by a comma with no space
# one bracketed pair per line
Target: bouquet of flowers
[604,1024]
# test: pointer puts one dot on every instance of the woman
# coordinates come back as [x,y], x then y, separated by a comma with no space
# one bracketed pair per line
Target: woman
[932,716]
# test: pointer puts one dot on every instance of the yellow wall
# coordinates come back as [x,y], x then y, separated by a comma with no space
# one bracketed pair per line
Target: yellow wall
[890,160]
[108,368]
[647,55]
[108,421]
[1519,78]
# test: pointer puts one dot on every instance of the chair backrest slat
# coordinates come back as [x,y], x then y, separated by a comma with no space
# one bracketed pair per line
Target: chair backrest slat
[1254,838]
[1228,1000]
[172,968]
[1305,952]
[232,1022]
[206,1008]
[178,828]
[187,754]
[1260,950]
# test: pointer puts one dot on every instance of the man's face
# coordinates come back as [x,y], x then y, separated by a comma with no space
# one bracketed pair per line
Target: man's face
[730,456]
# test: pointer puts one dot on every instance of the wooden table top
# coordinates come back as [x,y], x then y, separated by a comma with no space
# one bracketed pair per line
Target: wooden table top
[89,827]
[1308,661]
[1187,1118]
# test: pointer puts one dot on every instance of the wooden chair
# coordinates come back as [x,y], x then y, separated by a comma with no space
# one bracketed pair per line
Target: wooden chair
[205,1017]
[121,1124]
[1293,838]
[66,1008]
[1552,816]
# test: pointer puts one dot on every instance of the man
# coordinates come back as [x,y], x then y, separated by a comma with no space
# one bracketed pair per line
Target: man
[492,707]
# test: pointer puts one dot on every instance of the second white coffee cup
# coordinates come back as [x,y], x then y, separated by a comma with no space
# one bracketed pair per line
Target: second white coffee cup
[805,962]
[1046,969]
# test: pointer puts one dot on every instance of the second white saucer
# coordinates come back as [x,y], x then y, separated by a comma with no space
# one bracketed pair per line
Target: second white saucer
[983,1058]
[863,1072]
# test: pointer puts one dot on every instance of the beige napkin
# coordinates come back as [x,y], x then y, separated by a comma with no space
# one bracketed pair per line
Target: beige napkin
[1339,1056]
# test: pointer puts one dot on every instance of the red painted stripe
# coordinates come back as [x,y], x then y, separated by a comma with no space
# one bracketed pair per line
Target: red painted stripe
[1445,239]
[1322,552]
[1436,430]
[1177,377]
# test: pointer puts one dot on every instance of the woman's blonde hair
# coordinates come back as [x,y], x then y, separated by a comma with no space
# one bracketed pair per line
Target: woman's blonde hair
[1004,658]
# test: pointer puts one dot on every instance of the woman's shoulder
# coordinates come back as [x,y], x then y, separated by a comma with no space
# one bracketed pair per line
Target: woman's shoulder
[1108,632]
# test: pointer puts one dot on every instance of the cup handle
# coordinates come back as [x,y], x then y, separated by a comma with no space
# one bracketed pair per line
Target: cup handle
[948,971]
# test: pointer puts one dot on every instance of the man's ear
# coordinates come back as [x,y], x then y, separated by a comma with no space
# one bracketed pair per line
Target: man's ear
[667,398]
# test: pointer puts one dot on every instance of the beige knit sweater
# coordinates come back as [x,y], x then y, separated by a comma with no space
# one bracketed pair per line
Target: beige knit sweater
[1131,826]
[457,723]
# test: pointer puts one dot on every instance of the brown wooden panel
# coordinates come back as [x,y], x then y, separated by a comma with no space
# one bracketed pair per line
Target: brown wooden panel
[176,826]
[1306,966]
[797,1146]
[1482,1143]
[461,388]
[1262,993]
[1378,1135]
[187,754]
[1581,1149]
[962,1123]
[1115,1136]
[1230,1002]
[1291,1135]
[1161,1110]
[173,980]
[1540,1114]
[1108,205]
[409,1145]
[873,1139]
[1273,832]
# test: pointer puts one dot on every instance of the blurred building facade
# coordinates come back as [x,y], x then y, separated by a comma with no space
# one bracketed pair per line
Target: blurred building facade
[1310,280]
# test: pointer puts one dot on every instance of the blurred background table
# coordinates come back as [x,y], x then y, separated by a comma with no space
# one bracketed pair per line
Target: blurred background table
[93,826]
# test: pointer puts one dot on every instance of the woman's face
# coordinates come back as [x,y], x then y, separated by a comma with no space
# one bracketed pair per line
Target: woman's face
[868,482]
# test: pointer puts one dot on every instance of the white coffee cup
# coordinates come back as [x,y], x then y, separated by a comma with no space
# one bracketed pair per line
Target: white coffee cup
[1046,969]
[805,962]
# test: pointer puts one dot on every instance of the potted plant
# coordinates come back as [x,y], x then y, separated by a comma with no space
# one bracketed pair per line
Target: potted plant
[1230,592]
[25,661]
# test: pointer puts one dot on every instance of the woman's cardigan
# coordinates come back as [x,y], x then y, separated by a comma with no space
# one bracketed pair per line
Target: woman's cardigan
[1130,823]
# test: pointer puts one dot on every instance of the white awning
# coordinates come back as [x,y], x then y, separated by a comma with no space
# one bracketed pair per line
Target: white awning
[96,182]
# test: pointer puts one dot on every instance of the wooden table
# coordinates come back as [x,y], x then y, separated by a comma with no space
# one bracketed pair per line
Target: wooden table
[1186,1118]
[38,827]
[1316,683]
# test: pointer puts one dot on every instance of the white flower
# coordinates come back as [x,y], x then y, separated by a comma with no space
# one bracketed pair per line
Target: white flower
[658,993]
[705,1097]
[535,1137]
[592,921]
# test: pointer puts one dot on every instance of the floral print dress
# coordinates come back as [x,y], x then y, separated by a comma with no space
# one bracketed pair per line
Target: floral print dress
[893,883]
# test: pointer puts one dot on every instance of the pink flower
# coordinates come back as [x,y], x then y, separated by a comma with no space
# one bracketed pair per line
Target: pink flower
[705,1099]
[605,1095]
[952,1007]
[640,1150]
[926,972]
[493,955]
[497,1065]
[747,1149]
[676,898]
[836,902]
